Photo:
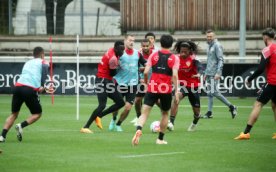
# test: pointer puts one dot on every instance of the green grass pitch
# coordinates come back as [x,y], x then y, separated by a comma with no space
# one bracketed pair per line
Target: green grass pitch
[54,143]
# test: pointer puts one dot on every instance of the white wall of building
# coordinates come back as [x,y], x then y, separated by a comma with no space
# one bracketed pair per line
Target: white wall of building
[30,18]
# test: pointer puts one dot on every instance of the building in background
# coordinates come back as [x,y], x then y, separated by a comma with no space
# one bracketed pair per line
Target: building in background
[30,18]
[122,16]
[195,15]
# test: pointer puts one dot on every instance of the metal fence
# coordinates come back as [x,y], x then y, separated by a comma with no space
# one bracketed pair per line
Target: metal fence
[85,17]
[34,23]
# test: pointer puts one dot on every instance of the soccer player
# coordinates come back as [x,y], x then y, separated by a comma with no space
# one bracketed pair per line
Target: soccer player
[127,80]
[105,86]
[189,73]
[146,52]
[164,66]
[151,37]
[268,64]
[213,73]
[30,82]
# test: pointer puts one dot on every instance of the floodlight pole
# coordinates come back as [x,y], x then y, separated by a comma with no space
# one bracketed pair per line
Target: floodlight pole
[51,66]
[242,52]
[10,17]
[97,23]
[81,17]
[78,82]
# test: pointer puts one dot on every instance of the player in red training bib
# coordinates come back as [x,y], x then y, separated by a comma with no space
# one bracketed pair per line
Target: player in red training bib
[164,67]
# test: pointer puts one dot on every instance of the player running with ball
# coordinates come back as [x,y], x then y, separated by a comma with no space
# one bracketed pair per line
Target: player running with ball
[164,66]
[189,72]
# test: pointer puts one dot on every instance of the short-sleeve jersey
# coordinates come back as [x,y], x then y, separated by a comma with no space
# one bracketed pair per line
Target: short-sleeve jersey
[269,52]
[108,61]
[187,69]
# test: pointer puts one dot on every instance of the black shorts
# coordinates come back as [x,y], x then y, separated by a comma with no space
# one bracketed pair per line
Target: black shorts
[106,88]
[192,94]
[141,92]
[104,85]
[27,95]
[165,100]
[129,92]
[267,92]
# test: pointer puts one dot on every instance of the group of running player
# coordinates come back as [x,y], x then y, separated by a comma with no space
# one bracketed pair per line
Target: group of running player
[156,75]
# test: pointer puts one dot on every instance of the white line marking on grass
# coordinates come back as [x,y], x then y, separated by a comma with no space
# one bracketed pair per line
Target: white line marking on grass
[55,130]
[245,107]
[152,154]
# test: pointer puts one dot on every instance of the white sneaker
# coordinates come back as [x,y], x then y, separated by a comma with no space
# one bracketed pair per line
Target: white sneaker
[19,131]
[170,126]
[118,128]
[161,142]
[135,120]
[192,127]
[136,123]
[2,139]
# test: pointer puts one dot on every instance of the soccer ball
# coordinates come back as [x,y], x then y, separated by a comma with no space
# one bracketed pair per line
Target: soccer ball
[155,126]
[50,87]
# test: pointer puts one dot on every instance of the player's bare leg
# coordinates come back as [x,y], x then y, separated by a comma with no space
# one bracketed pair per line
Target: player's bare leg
[144,116]
[173,112]
[193,125]
[163,127]
[8,124]
[141,122]
[138,108]
[251,121]
[255,113]
[123,116]
[10,120]
[33,118]
[164,121]
[273,106]
[19,127]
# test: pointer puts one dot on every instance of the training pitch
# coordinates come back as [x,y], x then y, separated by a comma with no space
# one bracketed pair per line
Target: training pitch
[54,143]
